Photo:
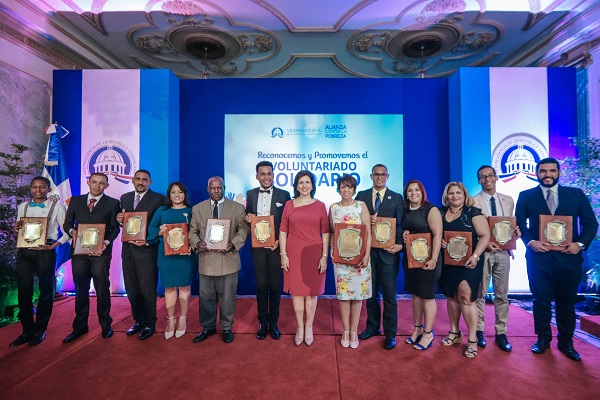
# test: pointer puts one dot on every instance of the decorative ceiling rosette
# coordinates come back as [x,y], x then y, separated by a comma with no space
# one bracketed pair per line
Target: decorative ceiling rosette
[201,35]
[427,38]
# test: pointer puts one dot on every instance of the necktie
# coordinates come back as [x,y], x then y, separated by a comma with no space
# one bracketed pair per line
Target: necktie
[91,204]
[136,201]
[216,211]
[34,204]
[377,202]
[493,206]
[551,201]
[265,191]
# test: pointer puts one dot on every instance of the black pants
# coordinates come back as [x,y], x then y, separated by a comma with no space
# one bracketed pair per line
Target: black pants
[384,278]
[267,269]
[29,264]
[86,268]
[140,276]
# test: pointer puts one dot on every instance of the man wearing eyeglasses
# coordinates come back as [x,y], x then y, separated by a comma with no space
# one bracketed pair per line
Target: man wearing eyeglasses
[383,202]
[497,261]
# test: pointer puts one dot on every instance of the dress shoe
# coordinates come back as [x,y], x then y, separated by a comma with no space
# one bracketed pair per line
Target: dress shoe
[146,332]
[390,342]
[135,328]
[354,343]
[107,332]
[24,338]
[275,334]
[540,346]
[569,351]
[37,338]
[227,336]
[181,327]
[202,336]
[74,336]
[503,343]
[368,333]
[480,339]
[262,332]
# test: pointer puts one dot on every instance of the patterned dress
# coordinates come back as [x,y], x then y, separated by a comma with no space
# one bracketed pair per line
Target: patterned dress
[351,282]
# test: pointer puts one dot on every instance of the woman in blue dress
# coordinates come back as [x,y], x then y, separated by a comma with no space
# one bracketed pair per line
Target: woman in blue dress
[175,271]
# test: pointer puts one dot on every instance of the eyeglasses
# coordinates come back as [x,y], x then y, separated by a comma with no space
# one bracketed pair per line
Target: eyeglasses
[485,177]
[379,175]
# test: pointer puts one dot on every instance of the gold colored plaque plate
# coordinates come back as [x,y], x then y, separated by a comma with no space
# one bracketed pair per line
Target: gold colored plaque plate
[503,231]
[459,247]
[556,231]
[419,245]
[263,231]
[33,233]
[383,233]
[176,239]
[90,238]
[135,225]
[349,243]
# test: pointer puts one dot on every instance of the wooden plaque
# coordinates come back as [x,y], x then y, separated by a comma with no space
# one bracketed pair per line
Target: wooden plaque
[418,249]
[217,234]
[135,226]
[383,233]
[90,239]
[176,239]
[33,233]
[459,248]
[349,243]
[503,232]
[556,231]
[262,230]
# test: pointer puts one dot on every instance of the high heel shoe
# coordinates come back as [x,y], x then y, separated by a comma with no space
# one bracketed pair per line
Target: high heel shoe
[345,342]
[309,339]
[419,346]
[181,327]
[298,339]
[449,342]
[410,341]
[354,343]
[471,350]
[170,321]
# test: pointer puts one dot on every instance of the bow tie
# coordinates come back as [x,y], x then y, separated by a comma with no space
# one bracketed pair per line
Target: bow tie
[34,204]
[265,191]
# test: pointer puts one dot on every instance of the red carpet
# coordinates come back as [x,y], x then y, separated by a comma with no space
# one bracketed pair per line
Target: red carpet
[126,368]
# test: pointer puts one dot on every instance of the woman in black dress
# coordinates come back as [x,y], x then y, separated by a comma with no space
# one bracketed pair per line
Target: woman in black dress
[460,284]
[420,216]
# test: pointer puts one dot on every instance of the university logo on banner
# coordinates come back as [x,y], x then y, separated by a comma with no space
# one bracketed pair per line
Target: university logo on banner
[113,158]
[518,154]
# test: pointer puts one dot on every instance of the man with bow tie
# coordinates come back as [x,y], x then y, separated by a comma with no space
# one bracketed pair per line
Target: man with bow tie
[554,274]
[261,201]
[38,261]
[139,259]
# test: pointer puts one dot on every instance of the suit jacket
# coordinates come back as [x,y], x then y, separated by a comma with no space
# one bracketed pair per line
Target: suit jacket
[214,263]
[571,201]
[278,200]
[506,202]
[392,206]
[150,203]
[104,212]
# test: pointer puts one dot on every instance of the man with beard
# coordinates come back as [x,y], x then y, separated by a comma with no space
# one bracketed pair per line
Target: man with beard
[554,274]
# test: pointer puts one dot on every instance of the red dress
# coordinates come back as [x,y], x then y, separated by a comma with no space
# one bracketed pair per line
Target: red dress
[304,246]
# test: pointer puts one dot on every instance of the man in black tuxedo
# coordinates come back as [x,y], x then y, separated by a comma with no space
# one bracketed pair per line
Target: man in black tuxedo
[92,208]
[383,202]
[267,200]
[554,274]
[140,269]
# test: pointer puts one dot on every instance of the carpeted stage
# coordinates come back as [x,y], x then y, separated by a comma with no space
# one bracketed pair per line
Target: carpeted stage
[126,368]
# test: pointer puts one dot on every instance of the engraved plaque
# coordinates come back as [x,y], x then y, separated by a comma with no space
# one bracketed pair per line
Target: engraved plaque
[419,249]
[90,239]
[459,247]
[556,231]
[263,231]
[135,225]
[349,243]
[217,234]
[33,233]
[176,239]
[383,233]
[503,231]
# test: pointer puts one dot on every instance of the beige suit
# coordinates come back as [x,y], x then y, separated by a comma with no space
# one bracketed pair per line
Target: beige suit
[496,266]
[218,271]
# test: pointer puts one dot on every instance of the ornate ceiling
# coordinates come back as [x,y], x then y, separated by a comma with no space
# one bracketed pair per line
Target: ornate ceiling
[306,38]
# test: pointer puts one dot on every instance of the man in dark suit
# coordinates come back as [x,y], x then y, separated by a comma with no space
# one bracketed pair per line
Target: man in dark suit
[140,270]
[260,201]
[383,202]
[92,208]
[554,274]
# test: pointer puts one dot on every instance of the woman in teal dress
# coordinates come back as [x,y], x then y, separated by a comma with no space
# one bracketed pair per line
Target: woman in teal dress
[175,271]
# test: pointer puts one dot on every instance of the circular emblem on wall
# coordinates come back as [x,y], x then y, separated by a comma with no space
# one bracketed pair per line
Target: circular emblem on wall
[277,132]
[518,154]
[110,157]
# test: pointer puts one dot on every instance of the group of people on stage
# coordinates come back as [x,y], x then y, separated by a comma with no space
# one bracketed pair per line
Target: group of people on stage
[304,232]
